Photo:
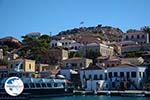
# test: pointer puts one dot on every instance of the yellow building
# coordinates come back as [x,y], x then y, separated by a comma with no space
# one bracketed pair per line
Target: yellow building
[24,65]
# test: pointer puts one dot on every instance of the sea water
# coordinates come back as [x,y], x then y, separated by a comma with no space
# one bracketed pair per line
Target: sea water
[82,97]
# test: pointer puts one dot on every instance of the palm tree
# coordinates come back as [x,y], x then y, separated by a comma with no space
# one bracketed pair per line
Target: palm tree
[146,29]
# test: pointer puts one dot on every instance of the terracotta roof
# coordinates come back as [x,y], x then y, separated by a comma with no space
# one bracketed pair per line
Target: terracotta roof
[93,67]
[125,65]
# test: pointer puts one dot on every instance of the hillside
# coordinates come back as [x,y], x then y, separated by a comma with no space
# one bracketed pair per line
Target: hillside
[103,32]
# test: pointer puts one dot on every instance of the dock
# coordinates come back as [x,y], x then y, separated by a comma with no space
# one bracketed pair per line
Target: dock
[140,93]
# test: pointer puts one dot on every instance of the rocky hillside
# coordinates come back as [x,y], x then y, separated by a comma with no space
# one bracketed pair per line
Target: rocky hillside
[103,32]
[9,43]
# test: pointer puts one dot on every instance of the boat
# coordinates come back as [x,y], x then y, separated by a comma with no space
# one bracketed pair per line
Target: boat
[39,87]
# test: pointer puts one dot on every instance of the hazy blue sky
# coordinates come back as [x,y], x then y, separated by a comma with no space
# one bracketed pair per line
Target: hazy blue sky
[19,17]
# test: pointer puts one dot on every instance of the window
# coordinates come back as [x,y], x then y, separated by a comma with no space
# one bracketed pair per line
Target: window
[133,74]
[29,66]
[128,74]
[11,66]
[90,77]
[96,50]
[108,65]
[95,77]
[84,77]
[55,84]
[38,85]
[115,74]
[121,74]
[80,64]
[140,74]
[75,47]
[26,85]
[127,37]
[72,47]
[66,64]
[106,85]
[17,65]
[66,43]
[138,36]
[113,84]
[143,36]
[101,77]
[52,45]
[32,85]
[110,74]
[74,64]
[49,85]
[112,65]
[43,85]
[143,75]
[43,68]
[55,44]
[132,37]
[105,76]
[21,66]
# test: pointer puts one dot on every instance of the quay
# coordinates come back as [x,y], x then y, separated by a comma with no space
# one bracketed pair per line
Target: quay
[140,93]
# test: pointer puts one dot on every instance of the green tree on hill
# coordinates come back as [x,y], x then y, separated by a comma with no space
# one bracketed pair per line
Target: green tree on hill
[36,48]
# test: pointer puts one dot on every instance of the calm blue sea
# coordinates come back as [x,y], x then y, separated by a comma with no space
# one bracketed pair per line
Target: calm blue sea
[93,98]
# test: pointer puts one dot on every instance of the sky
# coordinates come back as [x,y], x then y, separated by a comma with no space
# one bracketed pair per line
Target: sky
[19,17]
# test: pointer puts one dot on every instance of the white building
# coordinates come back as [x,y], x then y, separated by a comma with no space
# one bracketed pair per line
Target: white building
[64,42]
[123,77]
[67,73]
[67,43]
[55,43]
[76,46]
[126,77]
[90,77]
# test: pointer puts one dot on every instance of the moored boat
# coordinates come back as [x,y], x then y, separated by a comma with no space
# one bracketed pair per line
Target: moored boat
[39,87]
